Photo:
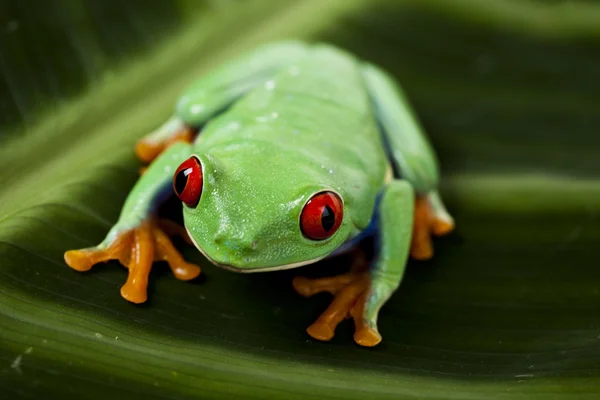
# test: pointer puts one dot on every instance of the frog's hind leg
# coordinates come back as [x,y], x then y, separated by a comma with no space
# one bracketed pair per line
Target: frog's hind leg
[216,91]
[309,287]
[442,221]
[153,144]
[430,219]
[344,287]
[412,157]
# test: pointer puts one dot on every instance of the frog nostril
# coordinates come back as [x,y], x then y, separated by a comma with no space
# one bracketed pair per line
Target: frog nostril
[218,239]
[240,245]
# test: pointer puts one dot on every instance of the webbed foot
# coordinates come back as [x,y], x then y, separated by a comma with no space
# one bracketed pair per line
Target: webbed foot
[137,249]
[350,293]
[430,219]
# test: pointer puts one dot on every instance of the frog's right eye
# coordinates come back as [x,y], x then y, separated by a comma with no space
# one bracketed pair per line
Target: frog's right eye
[187,181]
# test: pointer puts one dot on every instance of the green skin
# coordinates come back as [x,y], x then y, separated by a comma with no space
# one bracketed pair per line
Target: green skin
[299,119]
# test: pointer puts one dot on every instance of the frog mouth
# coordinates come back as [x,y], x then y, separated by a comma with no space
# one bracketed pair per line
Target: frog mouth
[233,268]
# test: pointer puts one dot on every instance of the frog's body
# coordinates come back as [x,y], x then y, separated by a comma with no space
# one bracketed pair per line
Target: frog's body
[280,127]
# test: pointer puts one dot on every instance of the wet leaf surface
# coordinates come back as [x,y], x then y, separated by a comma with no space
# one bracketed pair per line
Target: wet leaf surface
[509,307]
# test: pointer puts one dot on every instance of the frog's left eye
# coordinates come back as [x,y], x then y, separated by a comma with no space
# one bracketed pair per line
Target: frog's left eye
[322,216]
[187,181]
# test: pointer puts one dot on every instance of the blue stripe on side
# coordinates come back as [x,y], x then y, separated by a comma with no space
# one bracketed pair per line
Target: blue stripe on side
[370,231]
[164,193]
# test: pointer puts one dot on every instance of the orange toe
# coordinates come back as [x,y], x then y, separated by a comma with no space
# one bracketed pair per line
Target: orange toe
[147,151]
[367,337]
[302,286]
[171,228]
[185,134]
[134,293]
[79,260]
[321,331]
[421,246]
[441,227]
[186,272]
[422,250]
[425,225]
[136,249]
[167,252]
[349,289]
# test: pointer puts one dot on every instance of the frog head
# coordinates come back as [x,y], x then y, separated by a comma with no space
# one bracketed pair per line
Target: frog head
[248,216]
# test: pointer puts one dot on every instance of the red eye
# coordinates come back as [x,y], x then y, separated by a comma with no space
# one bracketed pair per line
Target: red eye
[322,216]
[187,182]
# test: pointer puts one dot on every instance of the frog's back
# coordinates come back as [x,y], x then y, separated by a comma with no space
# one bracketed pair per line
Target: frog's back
[319,99]
[315,112]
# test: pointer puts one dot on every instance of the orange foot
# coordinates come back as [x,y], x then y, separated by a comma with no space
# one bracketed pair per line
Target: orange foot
[350,293]
[147,149]
[427,223]
[137,249]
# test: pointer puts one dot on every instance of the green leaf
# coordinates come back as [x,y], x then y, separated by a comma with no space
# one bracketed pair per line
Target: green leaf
[509,307]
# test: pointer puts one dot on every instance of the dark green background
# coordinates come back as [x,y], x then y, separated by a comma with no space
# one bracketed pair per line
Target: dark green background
[509,93]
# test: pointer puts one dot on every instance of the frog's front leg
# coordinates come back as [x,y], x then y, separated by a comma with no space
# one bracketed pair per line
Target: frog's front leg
[412,156]
[137,249]
[139,239]
[360,294]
